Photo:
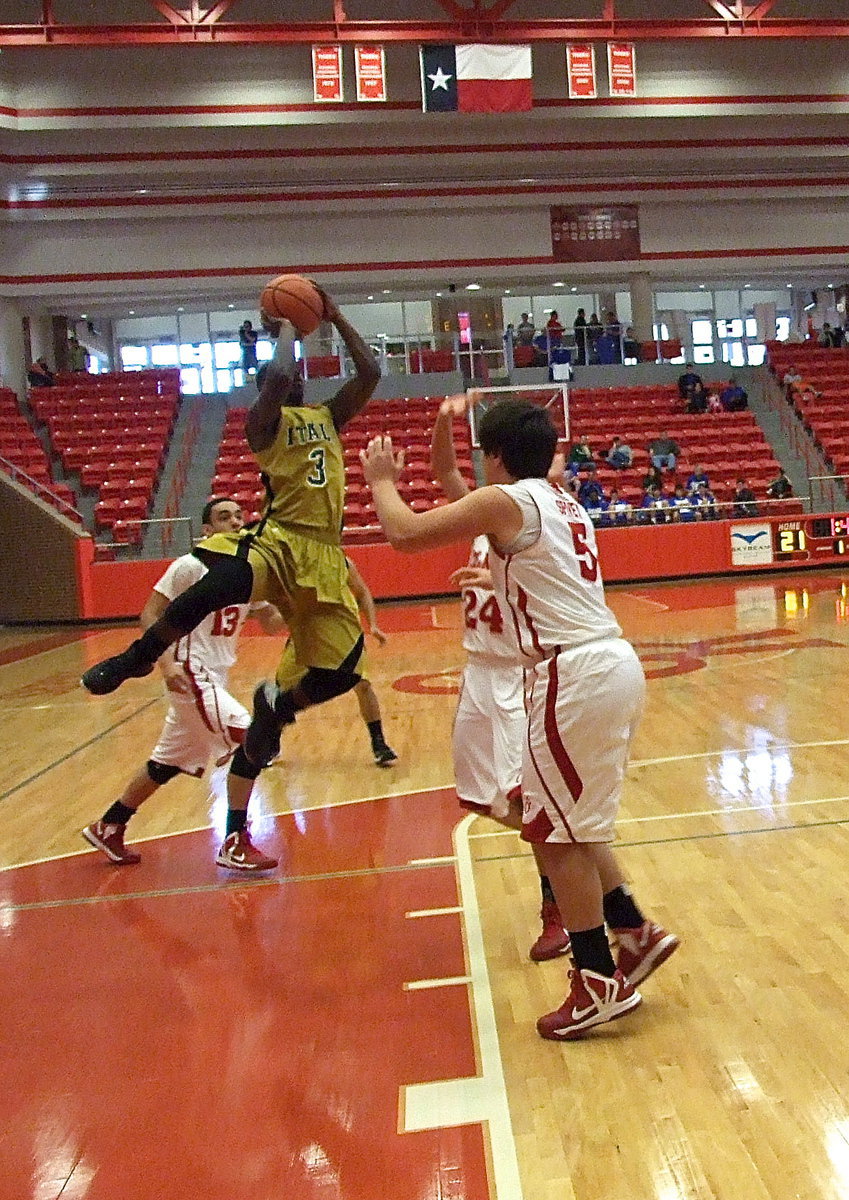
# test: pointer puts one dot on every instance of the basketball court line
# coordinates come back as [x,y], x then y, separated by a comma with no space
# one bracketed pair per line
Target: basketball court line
[71,753]
[482,1098]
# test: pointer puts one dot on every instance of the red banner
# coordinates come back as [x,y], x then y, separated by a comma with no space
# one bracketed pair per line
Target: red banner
[580,71]
[327,73]
[622,69]
[598,233]
[371,72]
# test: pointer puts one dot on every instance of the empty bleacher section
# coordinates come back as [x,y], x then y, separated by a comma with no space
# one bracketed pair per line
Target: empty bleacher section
[113,431]
[22,456]
[407,421]
[820,399]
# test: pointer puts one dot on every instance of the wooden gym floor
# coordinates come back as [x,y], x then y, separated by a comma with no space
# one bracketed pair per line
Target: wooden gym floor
[361,1023]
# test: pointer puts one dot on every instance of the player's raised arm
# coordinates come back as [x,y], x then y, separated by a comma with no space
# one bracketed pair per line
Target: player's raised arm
[353,396]
[488,510]
[443,454]
[279,384]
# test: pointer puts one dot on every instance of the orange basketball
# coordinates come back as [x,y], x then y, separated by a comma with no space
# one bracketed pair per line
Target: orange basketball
[295,299]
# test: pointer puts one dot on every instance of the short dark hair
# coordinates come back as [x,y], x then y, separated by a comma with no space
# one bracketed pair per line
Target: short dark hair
[522,435]
[210,505]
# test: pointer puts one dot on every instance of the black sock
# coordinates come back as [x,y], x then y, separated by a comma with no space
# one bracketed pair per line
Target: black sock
[375,732]
[591,951]
[284,708]
[118,814]
[148,648]
[237,820]
[620,911]
[547,893]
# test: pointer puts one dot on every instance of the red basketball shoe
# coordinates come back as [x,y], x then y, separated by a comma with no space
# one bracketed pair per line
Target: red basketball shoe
[554,940]
[238,853]
[642,950]
[594,1000]
[110,839]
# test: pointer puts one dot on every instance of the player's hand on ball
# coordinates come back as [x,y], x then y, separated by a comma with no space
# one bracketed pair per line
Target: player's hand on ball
[479,577]
[380,461]
[331,308]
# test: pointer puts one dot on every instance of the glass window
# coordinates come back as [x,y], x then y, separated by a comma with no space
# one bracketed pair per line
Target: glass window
[190,381]
[227,353]
[703,354]
[751,327]
[661,332]
[189,354]
[224,381]
[729,329]
[703,333]
[756,355]
[782,328]
[732,352]
[133,358]
[163,356]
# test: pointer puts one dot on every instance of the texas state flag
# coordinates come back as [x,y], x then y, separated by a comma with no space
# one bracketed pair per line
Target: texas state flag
[477,78]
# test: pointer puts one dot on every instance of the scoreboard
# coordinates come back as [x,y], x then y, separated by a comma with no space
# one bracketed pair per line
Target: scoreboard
[805,539]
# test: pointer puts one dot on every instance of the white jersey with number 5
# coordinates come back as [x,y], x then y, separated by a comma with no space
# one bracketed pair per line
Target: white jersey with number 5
[549,577]
[487,630]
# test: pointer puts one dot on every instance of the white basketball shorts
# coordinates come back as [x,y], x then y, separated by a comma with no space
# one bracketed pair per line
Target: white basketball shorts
[488,734]
[206,721]
[583,708]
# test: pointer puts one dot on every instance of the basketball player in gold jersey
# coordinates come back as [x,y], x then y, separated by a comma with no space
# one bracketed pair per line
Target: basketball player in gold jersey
[292,557]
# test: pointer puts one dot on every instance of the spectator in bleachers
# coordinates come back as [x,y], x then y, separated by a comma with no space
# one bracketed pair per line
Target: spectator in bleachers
[654,507]
[826,337]
[580,456]
[733,398]
[705,502]
[682,504]
[697,400]
[697,477]
[525,331]
[714,404]
[744,500]
[791,376]
[40,375]
[780,488]
[664,452]
[620,455]
[248,338]
[579,326]
[688,381]
[618,509]
[590,493]
[652,478]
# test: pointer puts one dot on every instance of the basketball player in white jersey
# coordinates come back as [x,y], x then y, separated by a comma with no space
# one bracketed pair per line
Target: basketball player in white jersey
[584,692]
[202,718]
[489,725]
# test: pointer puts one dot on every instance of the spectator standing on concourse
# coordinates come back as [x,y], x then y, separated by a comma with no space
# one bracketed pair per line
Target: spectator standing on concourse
[594,331]
[247,341]
[579,326]
[554,329]
[525,330]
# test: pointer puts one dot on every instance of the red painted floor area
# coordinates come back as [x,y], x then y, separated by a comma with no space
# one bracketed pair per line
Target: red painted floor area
[173,1032]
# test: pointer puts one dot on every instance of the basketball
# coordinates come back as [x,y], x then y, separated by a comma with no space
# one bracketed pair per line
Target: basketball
[293,298]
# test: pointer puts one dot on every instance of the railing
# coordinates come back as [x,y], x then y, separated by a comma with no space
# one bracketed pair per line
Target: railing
[828,497]
[719,510]
[41,490]
[128,537]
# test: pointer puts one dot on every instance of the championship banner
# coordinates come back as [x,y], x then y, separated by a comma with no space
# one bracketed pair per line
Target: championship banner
[580,71]
[598,233]
[327,73]
[622,69]
[371,72]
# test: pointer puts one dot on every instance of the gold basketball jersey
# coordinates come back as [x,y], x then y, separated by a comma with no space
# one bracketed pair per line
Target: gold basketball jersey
[306,471]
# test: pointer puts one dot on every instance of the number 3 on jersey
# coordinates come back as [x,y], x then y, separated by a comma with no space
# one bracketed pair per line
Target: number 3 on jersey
[318,476]
[490,613]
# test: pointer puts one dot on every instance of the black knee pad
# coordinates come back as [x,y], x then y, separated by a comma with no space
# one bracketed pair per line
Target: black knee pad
[242,765]
[160,773]
[228,580]
[320,684]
